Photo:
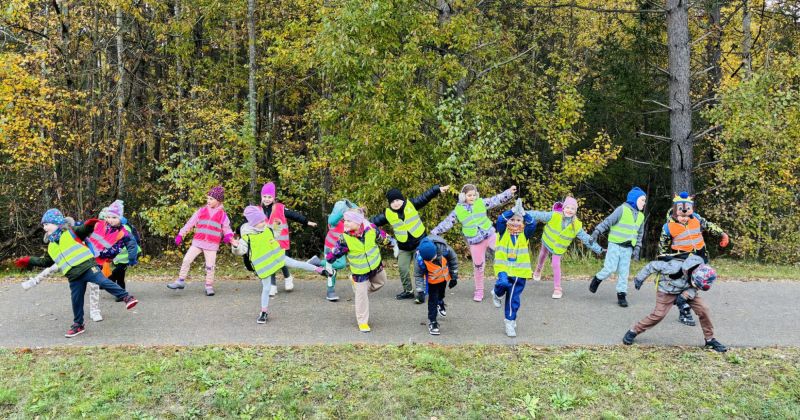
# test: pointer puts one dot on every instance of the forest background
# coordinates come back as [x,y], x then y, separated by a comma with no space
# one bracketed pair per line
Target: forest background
[156,101]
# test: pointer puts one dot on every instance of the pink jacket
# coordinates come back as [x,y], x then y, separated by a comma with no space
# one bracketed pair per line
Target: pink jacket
[227,233]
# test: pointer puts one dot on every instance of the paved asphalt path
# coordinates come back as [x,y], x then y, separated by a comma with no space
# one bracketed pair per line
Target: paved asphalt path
[745,314]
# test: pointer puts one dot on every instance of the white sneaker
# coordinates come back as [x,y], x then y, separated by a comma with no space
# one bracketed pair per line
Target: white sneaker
[273,290]
[96,317]
[496,300]
[537,277]
[288,283]
[511,328]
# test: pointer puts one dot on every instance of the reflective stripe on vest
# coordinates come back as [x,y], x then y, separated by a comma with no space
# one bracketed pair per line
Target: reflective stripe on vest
[266,254]
[687,237]
[363,257]
[412,223]
[68,252]
[626,229]
[513,258]
[333,236]
[209,228]
[558,239]
[437,273]
[279,213]
[103,239]
[472,220]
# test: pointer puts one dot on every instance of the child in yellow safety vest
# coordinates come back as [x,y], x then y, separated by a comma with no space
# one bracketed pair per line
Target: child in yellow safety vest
[267,256]
[625,227]
[436,268]
[471,212]
[561,228]
[67,249]
[360,243]
[512,262]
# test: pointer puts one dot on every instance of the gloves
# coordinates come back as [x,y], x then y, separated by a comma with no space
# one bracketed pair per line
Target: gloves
[595,235]
[637,283]
[420,298]
[725,240]
[227,238]
[453,283]
[636,252]
[22,262]
[395,248]
[528,219]
[178,240]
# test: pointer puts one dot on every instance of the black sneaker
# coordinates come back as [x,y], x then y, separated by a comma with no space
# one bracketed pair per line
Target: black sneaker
[621,299]
[629,336]
[685,317]
[594,284]
[433,328]
[262,319]
[404,295]
[442,309]
[74,330]
[716,345]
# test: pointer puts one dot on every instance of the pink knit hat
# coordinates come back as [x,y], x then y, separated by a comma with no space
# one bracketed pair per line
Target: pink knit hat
[254,215]
[356,216]
[268,189]
[217,193]
[570,202]
[116,208]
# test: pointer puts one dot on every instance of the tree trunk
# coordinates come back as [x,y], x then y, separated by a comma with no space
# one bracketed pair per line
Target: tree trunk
[747,41]
[714,48]
[680,124]
[120,106]
[251,96]
[179,77]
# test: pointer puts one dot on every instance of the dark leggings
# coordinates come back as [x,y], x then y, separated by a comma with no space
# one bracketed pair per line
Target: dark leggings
[118,275]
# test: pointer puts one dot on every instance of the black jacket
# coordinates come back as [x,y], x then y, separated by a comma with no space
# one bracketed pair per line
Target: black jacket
[419,202]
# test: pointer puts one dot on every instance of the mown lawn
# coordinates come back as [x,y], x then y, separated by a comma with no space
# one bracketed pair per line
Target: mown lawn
[414,381]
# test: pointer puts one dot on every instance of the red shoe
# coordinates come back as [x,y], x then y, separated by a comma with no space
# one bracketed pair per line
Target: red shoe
[74,330]
[130,301]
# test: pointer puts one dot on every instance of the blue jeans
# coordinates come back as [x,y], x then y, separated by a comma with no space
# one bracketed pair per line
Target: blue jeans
[77,288]
[512,289]
[618,260]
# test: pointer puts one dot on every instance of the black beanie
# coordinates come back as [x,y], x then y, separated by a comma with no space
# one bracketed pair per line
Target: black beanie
[394,194]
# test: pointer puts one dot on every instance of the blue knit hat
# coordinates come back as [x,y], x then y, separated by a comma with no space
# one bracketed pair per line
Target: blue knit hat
[53,216]
[633,196]
[427,249]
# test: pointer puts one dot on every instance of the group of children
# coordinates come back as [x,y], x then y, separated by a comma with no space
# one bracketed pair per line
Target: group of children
[93,252]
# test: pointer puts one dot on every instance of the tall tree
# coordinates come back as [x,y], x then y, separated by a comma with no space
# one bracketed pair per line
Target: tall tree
[680,124]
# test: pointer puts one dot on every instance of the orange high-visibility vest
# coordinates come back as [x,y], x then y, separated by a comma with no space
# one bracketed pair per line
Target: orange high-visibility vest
[686,238]
[437,273]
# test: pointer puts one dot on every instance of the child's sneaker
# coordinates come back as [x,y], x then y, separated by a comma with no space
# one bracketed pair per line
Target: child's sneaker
[442,310]
[210,290]
[364,328]
[262,319]
[594,284]
[478,296]
[177,284]
[496,300]
[433,328]
[273,290]
[621,301]
[628,338]
[96,316]
[511,328]
[557,293]
[716,345]
[288,283]
[331,296]
[74,330]
[130,301]
[537,277]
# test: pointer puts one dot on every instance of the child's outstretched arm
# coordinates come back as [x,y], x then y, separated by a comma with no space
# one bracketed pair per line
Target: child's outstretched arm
[500,199]
[653,267]
[339,250]
[540,216]
[187,227]
[445,224]
[35,280]
[606,224]
[589,242]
